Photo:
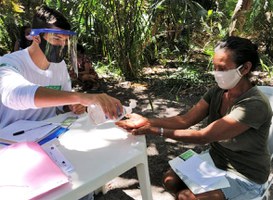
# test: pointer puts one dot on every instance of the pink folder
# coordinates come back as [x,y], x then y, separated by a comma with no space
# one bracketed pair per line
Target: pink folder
[26,171]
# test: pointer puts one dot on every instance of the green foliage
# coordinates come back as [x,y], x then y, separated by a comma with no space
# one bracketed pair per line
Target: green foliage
[267,65]
[259,28]
[188,75]
[177,80]
[213,31]
[173,25]
[13,15]
[8,15]
[108,70]
[125,36]
[227,7]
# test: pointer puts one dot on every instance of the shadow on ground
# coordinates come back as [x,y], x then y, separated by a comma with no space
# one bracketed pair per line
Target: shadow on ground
[150,103]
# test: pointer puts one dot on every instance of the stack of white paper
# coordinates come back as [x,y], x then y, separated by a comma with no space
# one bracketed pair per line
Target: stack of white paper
[25,130]
[198,174]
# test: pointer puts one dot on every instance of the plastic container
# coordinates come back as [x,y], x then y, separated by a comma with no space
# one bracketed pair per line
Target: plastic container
[97,115]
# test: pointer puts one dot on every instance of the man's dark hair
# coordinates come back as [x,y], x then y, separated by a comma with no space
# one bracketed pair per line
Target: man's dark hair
[46,17]
[243,50]
[80,49]
[23,42]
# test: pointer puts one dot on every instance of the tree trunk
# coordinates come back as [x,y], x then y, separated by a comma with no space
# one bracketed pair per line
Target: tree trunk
[239,16]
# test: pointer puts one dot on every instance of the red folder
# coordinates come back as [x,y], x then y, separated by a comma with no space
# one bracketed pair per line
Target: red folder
[26,171]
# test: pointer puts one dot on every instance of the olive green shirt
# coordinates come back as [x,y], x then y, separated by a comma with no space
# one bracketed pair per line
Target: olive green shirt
[246,154]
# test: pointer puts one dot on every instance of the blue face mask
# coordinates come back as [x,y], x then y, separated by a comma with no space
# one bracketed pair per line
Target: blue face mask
[53,53]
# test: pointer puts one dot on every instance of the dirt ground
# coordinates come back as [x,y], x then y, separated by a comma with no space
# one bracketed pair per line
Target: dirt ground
[151,103]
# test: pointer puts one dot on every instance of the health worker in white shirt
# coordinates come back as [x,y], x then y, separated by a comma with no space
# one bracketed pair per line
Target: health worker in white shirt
[34,82]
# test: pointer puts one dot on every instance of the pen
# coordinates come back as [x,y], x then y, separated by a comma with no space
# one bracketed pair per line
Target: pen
[18,133]
[23,131]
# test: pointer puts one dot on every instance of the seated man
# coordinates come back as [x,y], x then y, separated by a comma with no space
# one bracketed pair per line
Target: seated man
[239,116]
[25,38]
[87,78]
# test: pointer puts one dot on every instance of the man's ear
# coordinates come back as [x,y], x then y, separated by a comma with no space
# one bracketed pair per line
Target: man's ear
[37,39]
[246,67]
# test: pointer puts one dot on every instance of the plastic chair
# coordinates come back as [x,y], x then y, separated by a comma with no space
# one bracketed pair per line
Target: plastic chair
[268,91]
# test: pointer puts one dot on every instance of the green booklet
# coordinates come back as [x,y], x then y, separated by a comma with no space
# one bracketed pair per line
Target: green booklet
[186,155]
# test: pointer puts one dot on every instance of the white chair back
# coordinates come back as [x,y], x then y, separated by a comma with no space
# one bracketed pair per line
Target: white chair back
[268,91]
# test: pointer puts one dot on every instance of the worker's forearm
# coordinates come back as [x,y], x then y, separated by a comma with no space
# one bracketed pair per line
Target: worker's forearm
[45,97]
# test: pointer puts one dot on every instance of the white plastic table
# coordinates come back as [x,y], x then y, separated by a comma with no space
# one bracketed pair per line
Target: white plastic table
[99,154]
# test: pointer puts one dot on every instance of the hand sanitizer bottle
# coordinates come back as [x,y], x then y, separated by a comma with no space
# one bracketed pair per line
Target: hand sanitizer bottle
[97,116]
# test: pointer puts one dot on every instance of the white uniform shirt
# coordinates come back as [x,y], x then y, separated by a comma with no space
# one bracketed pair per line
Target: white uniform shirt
[19,80]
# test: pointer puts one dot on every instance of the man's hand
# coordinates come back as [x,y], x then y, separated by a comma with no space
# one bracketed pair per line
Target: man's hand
[134,121]
[77,109]
[109,105]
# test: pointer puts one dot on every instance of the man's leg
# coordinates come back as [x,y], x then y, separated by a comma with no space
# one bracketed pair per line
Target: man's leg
[178,188]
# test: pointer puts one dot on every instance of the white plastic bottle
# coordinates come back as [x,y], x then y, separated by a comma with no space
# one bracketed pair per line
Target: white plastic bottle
[97,116]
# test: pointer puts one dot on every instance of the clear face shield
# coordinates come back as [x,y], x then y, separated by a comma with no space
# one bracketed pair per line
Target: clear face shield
[58,45]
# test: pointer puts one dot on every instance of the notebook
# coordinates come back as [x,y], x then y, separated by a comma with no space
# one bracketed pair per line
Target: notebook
[28,130]
[35,131]
[198,172]
[27,171]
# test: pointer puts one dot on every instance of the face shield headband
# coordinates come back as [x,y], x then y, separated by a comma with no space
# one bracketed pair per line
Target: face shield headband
[58,45]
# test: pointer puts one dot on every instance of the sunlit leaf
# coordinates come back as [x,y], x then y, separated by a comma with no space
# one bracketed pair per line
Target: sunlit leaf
[210,12]
[17,7]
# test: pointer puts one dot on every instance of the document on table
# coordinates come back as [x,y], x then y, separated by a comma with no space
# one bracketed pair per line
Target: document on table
[26,130]
[27,171]
[198,174]
[56,155]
